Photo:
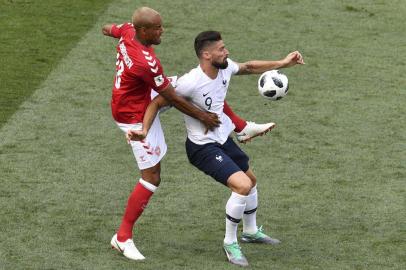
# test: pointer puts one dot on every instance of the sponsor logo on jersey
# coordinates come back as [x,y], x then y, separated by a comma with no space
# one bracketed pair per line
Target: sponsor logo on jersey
[159,80]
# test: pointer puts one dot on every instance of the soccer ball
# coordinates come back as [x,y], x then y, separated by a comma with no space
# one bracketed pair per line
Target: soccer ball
[273,85]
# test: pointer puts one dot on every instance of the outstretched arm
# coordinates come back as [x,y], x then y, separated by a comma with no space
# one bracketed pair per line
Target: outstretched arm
[258,66]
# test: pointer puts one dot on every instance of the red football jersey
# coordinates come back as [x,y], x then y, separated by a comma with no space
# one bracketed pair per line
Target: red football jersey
[138,71]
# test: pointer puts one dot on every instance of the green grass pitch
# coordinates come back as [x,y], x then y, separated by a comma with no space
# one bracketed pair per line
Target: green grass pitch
[331,175]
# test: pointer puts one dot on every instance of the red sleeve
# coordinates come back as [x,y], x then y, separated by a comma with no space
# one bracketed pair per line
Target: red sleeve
[118,30]
[239,122]
[154,76]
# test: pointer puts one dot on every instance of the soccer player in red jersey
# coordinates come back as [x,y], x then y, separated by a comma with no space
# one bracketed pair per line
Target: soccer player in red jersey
[138,71]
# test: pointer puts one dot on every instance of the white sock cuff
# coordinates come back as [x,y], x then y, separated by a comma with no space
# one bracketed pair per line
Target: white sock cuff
[253,190]
[148,185]
[238,198]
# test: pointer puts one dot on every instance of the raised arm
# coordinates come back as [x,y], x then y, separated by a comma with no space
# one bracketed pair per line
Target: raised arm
[260,66]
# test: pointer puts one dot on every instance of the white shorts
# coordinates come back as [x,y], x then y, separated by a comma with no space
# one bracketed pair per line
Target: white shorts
[152,149]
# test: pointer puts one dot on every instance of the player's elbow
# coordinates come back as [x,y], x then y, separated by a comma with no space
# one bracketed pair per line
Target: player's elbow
[246,68]
[169,96]
[250,67]
[159,102]
[177,101]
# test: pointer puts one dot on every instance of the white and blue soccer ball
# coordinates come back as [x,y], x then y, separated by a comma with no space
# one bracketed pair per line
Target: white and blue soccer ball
[273,85]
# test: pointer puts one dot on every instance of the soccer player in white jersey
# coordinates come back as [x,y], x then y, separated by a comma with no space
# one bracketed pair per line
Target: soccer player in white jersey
[214,152]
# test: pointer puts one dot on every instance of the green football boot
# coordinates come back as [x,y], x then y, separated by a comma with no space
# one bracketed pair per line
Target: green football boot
[234,254]
[259,237]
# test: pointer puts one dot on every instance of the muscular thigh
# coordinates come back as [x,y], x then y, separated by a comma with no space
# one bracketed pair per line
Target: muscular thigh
[236,154]
[212,160]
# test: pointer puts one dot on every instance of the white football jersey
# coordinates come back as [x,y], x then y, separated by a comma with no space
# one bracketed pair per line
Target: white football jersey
[208,95]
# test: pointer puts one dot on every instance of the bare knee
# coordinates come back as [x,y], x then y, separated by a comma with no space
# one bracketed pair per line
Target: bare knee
[239,183]
[243,188]
[153,178]
[152,175]
[252,177]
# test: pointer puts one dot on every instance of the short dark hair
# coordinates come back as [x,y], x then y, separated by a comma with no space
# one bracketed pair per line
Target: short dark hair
[204,39]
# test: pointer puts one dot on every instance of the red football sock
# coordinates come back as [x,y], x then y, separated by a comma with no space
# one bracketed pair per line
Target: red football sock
[136,204]
[239,122]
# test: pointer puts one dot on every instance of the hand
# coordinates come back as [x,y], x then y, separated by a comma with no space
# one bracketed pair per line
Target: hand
[293,58]
[211,121]
[135,135]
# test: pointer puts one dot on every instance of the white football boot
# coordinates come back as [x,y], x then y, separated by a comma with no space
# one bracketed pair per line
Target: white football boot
[253,130]
[127,248]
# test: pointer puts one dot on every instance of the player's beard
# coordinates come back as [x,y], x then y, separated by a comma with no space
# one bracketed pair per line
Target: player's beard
[222,65]
[155,41]
[158,41]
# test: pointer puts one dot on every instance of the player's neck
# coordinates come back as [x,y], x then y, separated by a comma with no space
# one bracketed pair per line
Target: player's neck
[209,70]
[143,42]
